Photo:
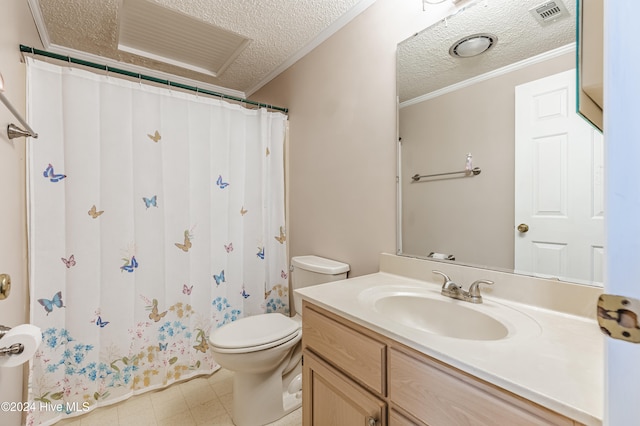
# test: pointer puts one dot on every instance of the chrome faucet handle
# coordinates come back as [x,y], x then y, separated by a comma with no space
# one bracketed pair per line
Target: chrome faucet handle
[449,288]
[444,276]
[474,290]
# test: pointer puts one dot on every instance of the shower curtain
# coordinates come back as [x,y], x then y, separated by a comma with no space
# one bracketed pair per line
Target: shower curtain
[155,216]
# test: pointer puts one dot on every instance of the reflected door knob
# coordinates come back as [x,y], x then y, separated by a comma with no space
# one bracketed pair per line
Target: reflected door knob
[523,227]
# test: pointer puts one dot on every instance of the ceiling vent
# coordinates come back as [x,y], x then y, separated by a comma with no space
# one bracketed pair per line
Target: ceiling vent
[166,35]
[549,12]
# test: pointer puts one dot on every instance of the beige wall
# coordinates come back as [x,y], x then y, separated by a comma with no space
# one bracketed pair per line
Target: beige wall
[342,100]
[16,27]
[470,218]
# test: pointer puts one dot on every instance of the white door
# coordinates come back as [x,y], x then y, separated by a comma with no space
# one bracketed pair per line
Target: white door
[622,129]
[559,184]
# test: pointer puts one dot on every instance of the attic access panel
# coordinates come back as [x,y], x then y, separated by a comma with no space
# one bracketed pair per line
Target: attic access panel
[152,31]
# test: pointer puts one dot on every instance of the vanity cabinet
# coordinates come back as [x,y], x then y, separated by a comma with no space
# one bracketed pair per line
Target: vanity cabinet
[355,376]
[330,349]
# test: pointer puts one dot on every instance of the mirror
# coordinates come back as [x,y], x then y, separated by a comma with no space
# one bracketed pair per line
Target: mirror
[590,61]
[450,107]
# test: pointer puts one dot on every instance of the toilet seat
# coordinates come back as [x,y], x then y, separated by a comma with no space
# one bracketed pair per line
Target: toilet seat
[255,333]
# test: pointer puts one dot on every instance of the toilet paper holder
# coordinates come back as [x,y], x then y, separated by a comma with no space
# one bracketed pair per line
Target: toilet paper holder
[15,349]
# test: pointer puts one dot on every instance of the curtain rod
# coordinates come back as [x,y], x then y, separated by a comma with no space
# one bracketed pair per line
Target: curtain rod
[27,49]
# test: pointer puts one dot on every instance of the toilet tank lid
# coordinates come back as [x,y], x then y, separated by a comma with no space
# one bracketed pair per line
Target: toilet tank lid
[320,265]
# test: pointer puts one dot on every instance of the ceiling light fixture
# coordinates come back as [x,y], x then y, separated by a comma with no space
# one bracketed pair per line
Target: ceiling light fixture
[426,2]
[472,45]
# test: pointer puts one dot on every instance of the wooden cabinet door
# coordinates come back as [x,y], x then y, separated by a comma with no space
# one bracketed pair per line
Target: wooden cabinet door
[397,419]
[331,399]
[360,356]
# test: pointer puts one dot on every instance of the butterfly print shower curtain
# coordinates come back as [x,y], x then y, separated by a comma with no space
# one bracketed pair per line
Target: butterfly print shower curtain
[155,216]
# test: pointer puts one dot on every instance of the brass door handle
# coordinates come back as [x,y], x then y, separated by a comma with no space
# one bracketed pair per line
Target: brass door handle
[5,286]
[523,227]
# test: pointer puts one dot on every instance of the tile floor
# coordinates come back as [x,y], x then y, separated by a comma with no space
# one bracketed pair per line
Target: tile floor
[200,401]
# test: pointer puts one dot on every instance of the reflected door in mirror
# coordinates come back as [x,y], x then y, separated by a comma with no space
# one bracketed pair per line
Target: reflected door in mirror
[559,184]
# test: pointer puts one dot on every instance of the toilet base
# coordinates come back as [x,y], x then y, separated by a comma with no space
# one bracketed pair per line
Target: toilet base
[258,399]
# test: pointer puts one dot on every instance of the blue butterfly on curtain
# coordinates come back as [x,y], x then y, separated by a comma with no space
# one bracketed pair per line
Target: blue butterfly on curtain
[56,302]
[220,183]
[51,175]
[219,278]
[101,323]
[163,346]
[244,293]
[260,253]
[150,202]
[129,265]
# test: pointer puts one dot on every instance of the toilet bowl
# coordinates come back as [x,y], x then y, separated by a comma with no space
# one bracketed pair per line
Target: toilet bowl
[260,350]
[264,351]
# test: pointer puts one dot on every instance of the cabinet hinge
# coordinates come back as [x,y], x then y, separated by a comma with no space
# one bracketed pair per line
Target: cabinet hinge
[619,317]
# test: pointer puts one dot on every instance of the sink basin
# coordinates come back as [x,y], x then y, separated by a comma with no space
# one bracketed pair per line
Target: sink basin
[427,311]
[441,317]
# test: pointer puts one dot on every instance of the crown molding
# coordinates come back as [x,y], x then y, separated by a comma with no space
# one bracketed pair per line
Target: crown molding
[36,12]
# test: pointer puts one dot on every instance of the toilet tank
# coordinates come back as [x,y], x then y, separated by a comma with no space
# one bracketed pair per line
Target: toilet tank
[312,270]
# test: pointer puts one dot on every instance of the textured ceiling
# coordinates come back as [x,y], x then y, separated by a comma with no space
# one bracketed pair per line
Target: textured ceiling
[278,29]
[424,63]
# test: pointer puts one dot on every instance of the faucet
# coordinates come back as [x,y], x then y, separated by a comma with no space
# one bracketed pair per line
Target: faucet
[453,290]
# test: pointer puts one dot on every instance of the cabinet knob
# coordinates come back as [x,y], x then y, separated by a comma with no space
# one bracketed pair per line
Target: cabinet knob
[371,421]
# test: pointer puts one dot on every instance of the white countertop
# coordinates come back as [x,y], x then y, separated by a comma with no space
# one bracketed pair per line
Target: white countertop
[558,365]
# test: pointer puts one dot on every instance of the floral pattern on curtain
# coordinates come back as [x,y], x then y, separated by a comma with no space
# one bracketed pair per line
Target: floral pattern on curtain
[154,217]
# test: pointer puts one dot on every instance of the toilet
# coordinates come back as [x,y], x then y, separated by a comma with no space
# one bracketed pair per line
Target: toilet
[264,351]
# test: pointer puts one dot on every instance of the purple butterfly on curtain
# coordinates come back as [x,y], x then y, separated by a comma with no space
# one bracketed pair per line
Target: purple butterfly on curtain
[69,262]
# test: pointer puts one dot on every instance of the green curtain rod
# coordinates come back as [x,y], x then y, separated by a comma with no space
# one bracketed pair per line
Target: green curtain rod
[27,49]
